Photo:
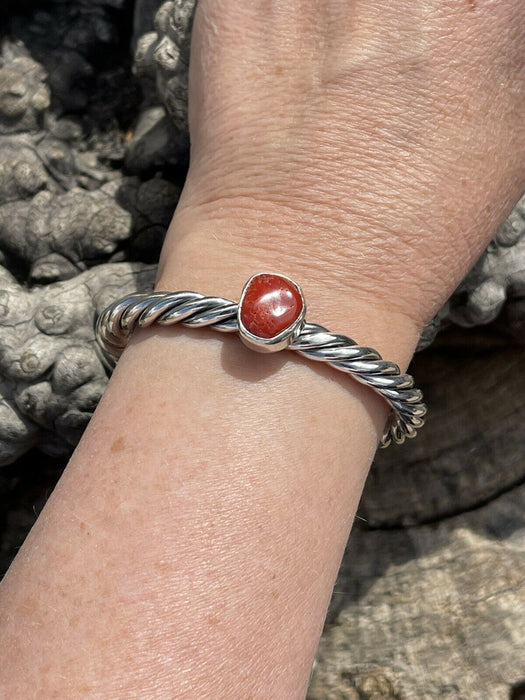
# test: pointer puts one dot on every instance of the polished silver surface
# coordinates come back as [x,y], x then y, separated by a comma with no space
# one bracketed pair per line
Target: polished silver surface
[116,324]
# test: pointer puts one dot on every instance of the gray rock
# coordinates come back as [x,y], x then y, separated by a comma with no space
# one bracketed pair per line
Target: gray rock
[162,58]
[144,18]
[24,93]
[496,279]
[64,208]
[156,142]
[161,63]
[48,232]
[68,38]
[51,373]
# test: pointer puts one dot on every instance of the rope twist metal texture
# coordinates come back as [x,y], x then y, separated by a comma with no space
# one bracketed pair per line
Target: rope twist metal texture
[116,324]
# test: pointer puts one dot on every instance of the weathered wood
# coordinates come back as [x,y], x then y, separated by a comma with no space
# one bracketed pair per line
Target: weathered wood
[471,448]
[431,611]
[438,610]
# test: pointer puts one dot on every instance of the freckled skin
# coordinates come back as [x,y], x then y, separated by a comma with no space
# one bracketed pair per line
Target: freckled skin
[118,445]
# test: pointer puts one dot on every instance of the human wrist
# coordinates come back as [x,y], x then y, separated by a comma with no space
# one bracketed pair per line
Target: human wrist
[215,255]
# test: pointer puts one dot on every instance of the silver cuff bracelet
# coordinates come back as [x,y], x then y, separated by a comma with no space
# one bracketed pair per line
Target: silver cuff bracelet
[269,317]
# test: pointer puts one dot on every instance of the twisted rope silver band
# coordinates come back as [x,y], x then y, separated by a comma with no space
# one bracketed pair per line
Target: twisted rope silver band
[116,324]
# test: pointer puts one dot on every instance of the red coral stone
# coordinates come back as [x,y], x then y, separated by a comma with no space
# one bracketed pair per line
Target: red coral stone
[270,305]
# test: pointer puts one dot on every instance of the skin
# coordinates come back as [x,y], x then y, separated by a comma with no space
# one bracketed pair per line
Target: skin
[368,150]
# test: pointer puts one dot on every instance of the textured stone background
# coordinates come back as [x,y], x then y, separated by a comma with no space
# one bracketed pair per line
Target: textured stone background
[93,151]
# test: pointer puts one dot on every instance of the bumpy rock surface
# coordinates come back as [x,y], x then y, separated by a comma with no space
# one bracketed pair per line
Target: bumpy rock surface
[67,212]
[429,601]
[24,94]
[78,43]
[161,63]
[52,376]
[162,58]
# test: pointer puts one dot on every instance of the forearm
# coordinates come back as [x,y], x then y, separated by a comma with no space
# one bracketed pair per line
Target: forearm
[191,547]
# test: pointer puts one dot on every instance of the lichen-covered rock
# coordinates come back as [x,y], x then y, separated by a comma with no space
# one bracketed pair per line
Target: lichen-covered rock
[24,93]
[144,12]
[22,172]
[65,207]
[498,277]
[51,372]
[162,63]
[68,38]
[162,58]
[56,236]
[62,209]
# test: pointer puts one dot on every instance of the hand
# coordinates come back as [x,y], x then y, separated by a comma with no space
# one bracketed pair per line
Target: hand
[369,148]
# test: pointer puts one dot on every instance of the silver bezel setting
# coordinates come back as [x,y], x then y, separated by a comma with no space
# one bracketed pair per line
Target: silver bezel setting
[282,339]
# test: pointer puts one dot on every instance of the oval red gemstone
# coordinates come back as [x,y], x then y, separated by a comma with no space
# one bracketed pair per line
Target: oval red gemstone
[270,305]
